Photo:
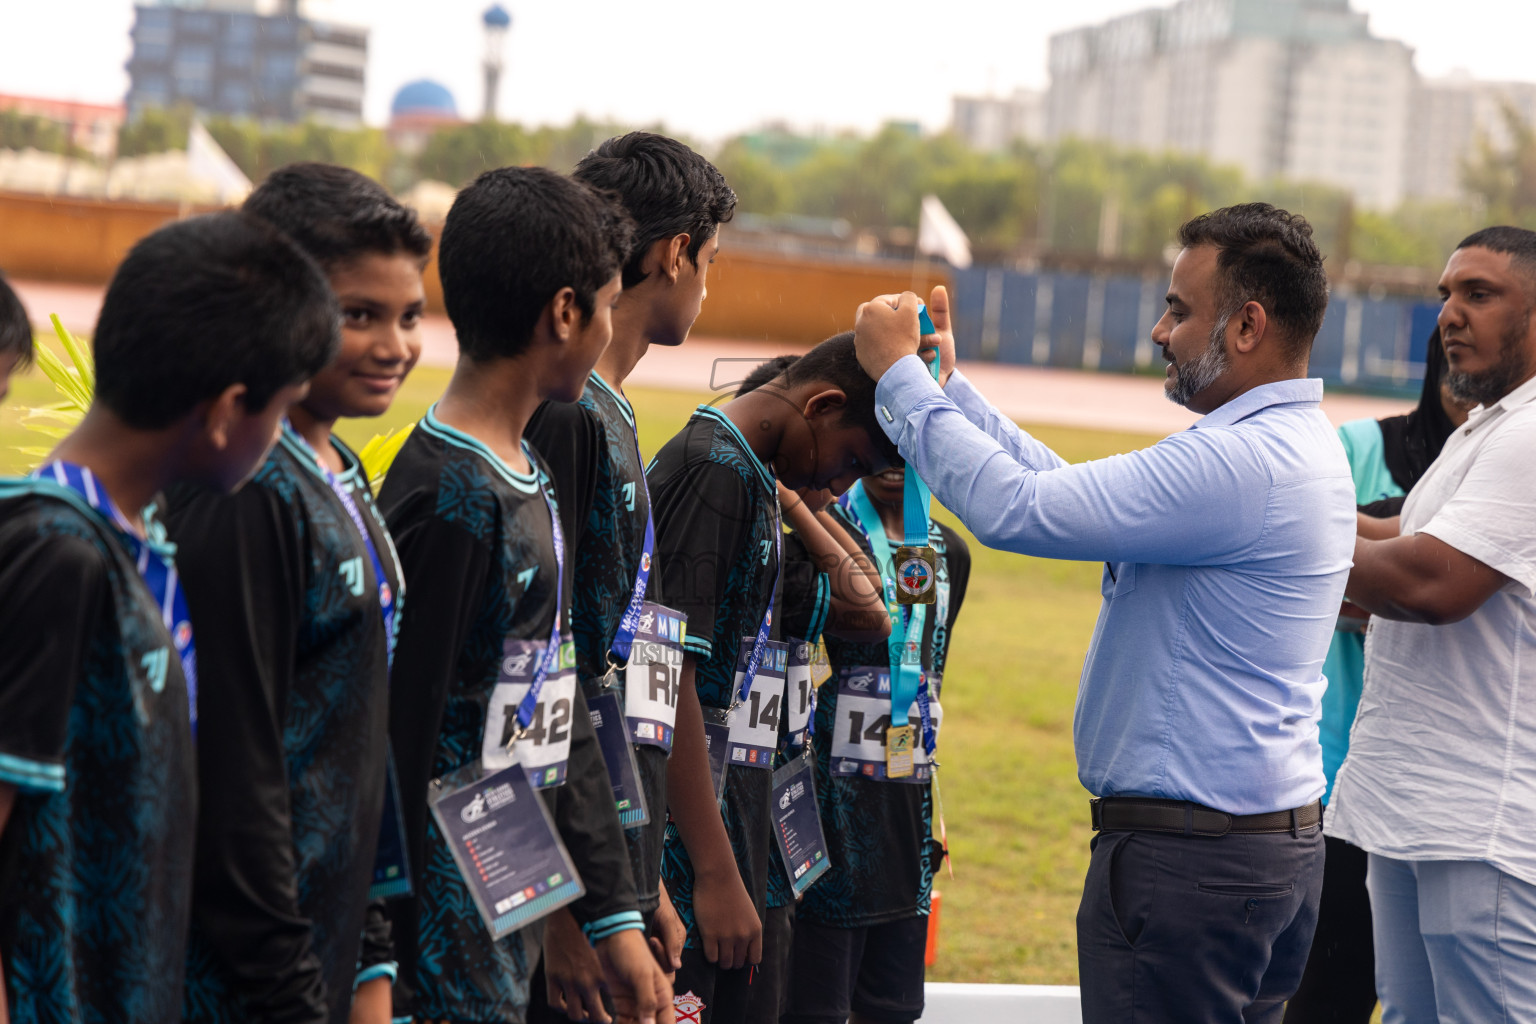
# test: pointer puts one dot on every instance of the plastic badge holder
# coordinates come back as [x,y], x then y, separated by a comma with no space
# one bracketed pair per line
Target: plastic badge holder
[619,755]
[504,843]
[797,823]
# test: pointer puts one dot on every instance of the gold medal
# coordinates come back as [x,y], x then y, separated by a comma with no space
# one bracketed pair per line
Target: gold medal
[899,743]
[916,571]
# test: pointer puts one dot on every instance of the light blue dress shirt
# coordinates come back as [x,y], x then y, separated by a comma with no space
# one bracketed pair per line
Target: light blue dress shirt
[1227,547]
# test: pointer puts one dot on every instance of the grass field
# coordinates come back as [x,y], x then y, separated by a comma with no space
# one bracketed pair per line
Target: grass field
[1017,818]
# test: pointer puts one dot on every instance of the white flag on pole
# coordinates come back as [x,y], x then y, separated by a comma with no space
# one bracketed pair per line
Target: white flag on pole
[207,162]
[939,235]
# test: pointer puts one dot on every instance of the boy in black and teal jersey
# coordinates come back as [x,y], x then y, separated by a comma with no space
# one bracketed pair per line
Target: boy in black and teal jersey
[15,336]
[530,267]
[293,745]
[861,931]
[98,791]
[718,543]
[678,201]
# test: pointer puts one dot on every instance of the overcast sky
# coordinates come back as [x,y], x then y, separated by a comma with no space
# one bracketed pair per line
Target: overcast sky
[714,68]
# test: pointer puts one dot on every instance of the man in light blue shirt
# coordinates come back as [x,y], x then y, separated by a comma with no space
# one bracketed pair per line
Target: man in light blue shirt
[1226,550]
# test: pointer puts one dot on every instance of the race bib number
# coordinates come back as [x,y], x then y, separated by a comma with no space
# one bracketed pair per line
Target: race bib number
[799,691]
[754,722]
[651,678]
[546,746]
[863,719]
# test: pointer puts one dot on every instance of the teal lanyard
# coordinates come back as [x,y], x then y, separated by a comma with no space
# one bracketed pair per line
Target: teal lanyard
[904,648]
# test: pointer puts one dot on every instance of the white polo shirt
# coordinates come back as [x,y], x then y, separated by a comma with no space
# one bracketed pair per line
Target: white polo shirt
[1442,757]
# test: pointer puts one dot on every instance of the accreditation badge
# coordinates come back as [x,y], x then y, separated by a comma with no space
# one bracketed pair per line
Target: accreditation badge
[797,823]
[917,570]
[651,676]
[505,846]
[391,867]
[619,756]
[717,739]
[546,746]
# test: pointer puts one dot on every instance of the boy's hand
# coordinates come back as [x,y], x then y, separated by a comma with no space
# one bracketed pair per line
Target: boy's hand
[938,312]
[667,936]
[370,1003]
[884,330]
[641,992]
[729,928]
[573,975]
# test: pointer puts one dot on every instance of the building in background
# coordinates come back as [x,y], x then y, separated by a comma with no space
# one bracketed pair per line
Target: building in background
[243,59]
[992,123]
[418,110]
[1452,116]
[1293,88]
[92,126]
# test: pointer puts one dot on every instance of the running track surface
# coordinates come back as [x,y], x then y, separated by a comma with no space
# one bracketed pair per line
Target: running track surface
[1068,398]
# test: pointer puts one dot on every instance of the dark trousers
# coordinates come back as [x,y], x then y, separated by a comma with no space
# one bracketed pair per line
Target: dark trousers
[1339,986]
[1196,930]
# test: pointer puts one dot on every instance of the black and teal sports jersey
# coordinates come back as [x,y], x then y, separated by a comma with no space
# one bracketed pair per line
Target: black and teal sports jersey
[879,832]
[717,519]
[478,549]
[96,858]
[291,735]
[589,446]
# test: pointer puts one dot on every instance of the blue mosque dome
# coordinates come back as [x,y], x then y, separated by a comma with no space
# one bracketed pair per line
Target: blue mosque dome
[424,96]
[496,16]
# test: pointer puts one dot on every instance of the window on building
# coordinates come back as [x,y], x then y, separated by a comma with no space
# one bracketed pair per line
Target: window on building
[236,98]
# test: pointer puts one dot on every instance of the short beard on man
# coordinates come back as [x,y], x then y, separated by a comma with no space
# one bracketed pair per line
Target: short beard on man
[1502,377]
[1193,377]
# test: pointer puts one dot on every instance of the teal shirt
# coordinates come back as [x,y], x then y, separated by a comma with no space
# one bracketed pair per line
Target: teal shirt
[1344,667]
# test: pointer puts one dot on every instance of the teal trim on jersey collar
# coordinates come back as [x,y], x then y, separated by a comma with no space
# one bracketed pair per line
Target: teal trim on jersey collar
[711,413]
[624,406]
[351,465]
[525,482]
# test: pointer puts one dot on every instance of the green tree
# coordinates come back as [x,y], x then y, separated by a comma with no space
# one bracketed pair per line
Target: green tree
[26,131]
[155,130]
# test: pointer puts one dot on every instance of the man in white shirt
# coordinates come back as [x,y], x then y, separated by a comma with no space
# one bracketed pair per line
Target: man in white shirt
[1440,782]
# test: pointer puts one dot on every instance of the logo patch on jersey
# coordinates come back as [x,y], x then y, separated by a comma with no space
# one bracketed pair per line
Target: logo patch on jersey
[526,577]
[154,665]
[352,575]
[688,1008]
[767,549]
[629,497]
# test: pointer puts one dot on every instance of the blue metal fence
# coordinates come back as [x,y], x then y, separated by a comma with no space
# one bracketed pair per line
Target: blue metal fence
[1104,322]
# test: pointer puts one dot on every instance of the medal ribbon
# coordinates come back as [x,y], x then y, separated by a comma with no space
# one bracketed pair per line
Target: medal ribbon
[904,647]
[389,601]
[155,559]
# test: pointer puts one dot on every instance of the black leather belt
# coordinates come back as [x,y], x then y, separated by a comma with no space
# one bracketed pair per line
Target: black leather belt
[1182,818]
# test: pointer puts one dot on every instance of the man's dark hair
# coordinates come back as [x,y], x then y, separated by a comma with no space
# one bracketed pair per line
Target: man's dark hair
[835,362]
[1519,243]
[666,187]
[337,214]
[764,372]
[205,303]
[15,328]
[512,240]
[1265,255]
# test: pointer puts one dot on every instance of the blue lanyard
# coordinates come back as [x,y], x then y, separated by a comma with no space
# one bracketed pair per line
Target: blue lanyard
[904,648]
[155,559]
[541,670]
[388,600]
[629,625]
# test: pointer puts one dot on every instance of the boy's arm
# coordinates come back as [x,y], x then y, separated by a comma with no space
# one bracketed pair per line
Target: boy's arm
[51,594]
[376,969]
[729,929]
[858,601]
[446,570]
[240,559]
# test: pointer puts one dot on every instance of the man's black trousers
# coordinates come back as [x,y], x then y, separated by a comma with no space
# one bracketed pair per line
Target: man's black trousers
[1196,929]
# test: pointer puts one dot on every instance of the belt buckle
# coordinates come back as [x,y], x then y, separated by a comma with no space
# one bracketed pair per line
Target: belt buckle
[1096,811]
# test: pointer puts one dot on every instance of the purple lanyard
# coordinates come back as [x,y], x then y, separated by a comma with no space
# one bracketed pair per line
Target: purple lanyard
[154,557]
[541,670]
[388,601]
[629,625]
